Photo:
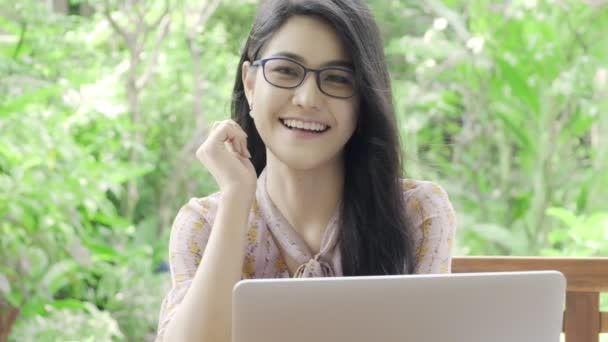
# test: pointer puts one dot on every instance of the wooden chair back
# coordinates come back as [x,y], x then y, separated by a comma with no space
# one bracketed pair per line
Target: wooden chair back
[586,279]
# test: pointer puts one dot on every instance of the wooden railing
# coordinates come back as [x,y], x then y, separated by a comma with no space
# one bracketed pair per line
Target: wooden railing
[586,279]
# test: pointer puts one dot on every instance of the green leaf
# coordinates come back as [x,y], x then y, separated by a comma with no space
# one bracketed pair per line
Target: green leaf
[57,275]
[38,260]
[514,129]
[34,306]
[15,299]
[101,251]
[38,96]
[68,304]
[132,173]
[598,221]
[564,215]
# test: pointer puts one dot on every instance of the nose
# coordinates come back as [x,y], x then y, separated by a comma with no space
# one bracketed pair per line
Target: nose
[308,95]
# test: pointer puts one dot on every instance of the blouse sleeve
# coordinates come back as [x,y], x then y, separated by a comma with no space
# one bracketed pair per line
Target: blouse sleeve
[432,218]
[189,236]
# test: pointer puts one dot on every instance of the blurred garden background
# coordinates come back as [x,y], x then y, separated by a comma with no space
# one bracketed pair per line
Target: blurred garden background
[103,103]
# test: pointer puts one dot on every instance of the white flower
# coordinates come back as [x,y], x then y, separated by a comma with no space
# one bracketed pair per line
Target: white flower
[430,63]
[476,44]
[440,24]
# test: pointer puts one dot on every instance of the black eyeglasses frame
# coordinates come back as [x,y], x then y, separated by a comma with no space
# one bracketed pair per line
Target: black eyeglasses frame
[317,72]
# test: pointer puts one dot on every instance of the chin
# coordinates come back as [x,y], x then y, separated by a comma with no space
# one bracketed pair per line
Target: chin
[307,162]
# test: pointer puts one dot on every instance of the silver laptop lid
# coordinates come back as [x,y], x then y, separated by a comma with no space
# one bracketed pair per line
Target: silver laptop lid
[465,307]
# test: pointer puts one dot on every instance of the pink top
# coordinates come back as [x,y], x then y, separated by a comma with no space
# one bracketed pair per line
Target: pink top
[428,211]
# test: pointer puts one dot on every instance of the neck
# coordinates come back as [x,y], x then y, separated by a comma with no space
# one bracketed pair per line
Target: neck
[306,198]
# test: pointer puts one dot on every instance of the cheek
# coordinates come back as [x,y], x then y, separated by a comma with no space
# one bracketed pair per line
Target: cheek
[268,98]
[351,116]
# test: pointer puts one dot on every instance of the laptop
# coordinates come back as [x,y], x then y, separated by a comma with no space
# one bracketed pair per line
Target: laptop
[464,307]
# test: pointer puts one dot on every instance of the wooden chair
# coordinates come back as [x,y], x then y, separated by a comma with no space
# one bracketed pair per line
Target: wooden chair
[586,279]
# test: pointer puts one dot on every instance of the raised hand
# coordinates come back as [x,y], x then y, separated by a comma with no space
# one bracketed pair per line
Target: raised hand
[224,153]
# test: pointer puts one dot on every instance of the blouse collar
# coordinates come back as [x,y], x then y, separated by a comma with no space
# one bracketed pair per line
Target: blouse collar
[324,264]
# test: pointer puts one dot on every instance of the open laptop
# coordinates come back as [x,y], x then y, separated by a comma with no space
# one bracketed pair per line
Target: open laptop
[465,307]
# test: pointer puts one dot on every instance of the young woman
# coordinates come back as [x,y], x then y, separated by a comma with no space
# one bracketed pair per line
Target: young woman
[308,171]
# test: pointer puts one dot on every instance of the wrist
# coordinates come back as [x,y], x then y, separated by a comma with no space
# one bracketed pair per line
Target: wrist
[238,194]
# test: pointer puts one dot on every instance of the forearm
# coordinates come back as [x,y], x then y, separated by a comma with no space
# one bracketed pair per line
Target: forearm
[205,314]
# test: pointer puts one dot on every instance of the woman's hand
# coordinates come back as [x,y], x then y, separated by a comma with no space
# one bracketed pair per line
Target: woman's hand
[224,153]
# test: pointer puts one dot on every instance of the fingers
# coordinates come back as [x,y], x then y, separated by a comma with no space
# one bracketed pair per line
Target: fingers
[223,131]
[245,149]
[239,145]
[229,134]
[236,146]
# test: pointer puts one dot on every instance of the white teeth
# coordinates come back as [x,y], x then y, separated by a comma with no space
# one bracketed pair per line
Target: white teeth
[309,126]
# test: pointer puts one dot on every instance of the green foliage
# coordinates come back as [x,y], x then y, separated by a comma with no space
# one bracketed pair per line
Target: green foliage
[501,107]
[77,322]
[70,254]
[503,104]
[583,235]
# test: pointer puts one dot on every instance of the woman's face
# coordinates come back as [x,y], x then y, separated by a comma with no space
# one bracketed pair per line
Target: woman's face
[276,111]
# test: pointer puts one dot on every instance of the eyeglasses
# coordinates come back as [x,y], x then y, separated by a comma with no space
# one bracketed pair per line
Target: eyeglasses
[289,74]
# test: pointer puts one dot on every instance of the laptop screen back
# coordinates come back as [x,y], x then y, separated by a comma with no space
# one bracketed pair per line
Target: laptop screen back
[475,307]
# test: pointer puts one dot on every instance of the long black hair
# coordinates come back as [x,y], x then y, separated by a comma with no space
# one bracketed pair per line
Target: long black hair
[374,237]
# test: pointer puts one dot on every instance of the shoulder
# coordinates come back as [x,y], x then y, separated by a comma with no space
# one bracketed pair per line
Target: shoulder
[200,208]
[432,221]
[193,222]
[426,202]
[424,193]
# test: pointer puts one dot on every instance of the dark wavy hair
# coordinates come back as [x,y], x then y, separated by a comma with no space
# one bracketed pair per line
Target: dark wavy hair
[374,236]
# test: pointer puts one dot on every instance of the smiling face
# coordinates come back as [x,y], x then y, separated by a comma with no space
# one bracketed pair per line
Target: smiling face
[302,127]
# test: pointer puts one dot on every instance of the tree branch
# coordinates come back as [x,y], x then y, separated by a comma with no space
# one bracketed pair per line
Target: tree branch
[127,36]
[206,13]
[166,12]
[452,17]
[162,33]
[186,153]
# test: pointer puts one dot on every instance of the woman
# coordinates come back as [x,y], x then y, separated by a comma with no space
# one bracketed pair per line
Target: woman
[308,172]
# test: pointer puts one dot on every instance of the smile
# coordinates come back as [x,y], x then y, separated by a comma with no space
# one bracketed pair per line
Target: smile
[314,127]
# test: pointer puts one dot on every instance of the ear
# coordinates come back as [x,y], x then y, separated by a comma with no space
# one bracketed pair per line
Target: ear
[248,76]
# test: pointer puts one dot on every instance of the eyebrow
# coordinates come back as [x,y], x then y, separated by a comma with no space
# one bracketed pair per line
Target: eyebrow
[334,63]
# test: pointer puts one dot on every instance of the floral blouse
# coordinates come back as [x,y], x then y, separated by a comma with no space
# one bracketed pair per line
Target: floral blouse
[270,236]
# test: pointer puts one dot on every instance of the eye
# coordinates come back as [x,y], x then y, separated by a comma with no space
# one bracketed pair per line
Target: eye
[337,79]
[285,70]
